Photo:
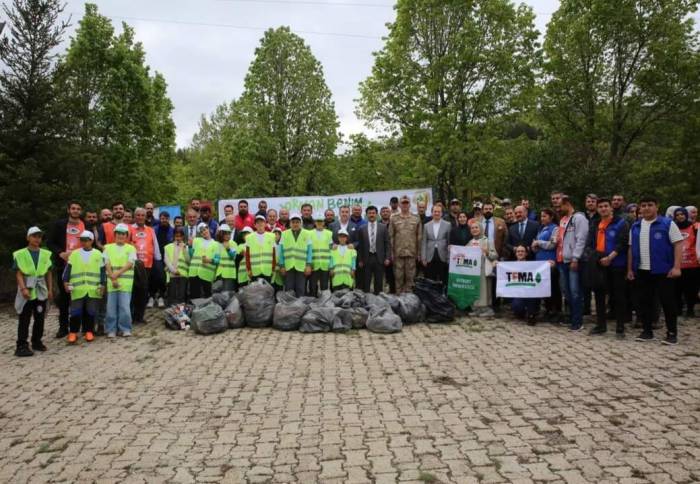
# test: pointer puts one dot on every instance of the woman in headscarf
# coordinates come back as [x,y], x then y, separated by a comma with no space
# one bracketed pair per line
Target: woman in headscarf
[687,285]
[460,234]
[632,213]
[671,210]
[482,307]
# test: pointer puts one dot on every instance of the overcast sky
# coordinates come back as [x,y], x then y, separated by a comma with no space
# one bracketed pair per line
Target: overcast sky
[204,47]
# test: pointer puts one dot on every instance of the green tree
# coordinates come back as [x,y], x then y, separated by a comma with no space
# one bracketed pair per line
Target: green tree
[29,116]
[613,72]
[451,72]
[283,128]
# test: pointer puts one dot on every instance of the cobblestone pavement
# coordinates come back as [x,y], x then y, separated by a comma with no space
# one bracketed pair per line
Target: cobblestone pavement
[490,401]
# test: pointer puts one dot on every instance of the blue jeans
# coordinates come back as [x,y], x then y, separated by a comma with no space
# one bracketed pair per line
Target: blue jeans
[118,312]
[570,283]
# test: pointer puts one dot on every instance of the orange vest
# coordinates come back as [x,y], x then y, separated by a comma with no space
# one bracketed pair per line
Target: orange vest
[108,229]
[143,238]
[73,235]
[690,258]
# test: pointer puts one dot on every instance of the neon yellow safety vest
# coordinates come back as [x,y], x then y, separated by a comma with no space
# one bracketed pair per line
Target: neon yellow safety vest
[261,253]
[118,256]
[205,272]
[26,266]
[227,264]
[321,249]
[295,250]
[85,276]
[242,272]
[183,262]
[342,267]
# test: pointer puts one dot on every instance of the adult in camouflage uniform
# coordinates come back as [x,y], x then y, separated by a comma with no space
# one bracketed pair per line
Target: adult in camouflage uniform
[405,233]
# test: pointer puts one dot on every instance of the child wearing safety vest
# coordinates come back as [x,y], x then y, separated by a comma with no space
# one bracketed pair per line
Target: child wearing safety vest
[32,266]
[260,252]
[321,244]
[177,266]
[277,279]
[120,258]
[342,263]
[226,270]
[204,259]
[241,270]
[84,279]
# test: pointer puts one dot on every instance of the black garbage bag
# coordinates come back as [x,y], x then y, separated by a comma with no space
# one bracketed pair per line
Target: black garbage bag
[343,322]
[222,298]
[286,297]
[287,316]
[319,319]
[325,299]
[392,300]
[234,314]
[384,320]
[209,319]
[217,286]
[411,310]
[177,316]
[352,299]
[201,301]
[439,308]
[359,317]
[377,302]
[258,301]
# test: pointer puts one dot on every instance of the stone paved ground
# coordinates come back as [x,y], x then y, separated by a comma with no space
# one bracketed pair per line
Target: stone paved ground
[471,402]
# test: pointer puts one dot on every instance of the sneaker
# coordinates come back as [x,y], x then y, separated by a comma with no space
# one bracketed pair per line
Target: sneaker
[597,330]
[620,335]
[89,336]
[112,335]
[150,302]
[72,338]
[38,346]
[161,302]
[23,351]
[126,334]
[62,332]
[670,339]
[645,337]
[576,328]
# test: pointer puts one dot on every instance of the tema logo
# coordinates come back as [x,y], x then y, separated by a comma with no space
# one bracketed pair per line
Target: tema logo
[527,279]
[462,261]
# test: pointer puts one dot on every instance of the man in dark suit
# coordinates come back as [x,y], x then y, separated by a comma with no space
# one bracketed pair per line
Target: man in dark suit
[374,250]
[522,232]
[344,222]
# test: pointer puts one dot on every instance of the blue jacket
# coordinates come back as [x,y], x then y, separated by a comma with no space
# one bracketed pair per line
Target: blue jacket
[545,235]
[616,238]
[660,246]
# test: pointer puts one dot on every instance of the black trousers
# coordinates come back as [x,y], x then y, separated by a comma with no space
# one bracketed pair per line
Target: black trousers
[319,278]
[649,285]
[390,280]
[156,281]
[553,304]
[373,271]
[437,269]
[177,290]
[34,308]
[198,288]
[295,280]
[687,289]
[140,298]
[63,299]
[614,288]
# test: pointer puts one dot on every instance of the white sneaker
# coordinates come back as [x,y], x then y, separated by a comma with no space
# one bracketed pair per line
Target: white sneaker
[150,302]
[126,334]
[111,335]
[161,302]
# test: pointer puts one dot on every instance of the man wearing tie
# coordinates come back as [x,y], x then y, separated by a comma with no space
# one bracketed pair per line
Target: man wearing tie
[374,250]
[434,246]
[191,227]
[522,232]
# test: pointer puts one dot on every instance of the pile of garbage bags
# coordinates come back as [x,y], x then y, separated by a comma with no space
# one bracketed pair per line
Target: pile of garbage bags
[256,305]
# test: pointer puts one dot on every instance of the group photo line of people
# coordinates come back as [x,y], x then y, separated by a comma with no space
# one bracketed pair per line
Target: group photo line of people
[627,260]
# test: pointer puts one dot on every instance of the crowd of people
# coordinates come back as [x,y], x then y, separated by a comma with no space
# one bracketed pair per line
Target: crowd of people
[110,266]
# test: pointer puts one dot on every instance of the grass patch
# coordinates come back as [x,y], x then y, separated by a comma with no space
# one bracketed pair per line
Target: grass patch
[44,448]
[427,477]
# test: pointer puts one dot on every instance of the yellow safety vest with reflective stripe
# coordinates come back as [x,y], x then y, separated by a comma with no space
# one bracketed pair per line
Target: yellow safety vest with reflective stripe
[227,264]
[205,271]
[295,250]
[26,266]
[321,249]
[183,262]
[118,256]
[85,276]
[342,267]
[261,253]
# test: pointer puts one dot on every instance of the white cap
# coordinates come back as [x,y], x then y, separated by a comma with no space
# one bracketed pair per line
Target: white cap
[201,226]
[343,232]
[246,229]
[124,228]
[295,215]
[86,234]
[224,228]
[34,230]
[277,229]
[260,217]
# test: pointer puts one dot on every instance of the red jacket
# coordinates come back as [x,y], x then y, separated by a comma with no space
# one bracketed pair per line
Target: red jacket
[241,222]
